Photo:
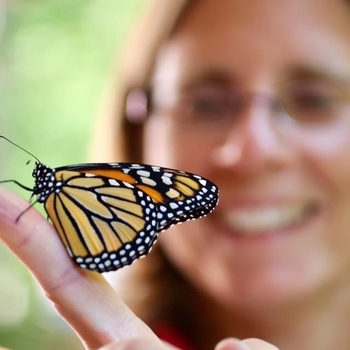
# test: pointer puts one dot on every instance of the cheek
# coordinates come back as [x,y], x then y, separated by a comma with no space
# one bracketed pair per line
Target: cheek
[328,164]
[174,147]
[328,159]
[156,149]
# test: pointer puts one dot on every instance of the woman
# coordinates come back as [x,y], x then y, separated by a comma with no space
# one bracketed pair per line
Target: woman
[256,97]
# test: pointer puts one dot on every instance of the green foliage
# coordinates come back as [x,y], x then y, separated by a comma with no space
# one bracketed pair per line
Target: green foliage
[55,61]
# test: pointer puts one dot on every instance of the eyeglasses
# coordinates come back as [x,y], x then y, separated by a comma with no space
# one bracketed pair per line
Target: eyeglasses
[316,101]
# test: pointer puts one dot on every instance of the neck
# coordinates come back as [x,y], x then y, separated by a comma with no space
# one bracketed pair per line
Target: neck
[319,321]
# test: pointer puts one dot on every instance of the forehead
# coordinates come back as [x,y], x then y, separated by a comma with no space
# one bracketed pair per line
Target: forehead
[266,37]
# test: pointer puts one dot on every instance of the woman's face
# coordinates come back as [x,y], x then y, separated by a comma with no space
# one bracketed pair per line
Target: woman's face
[282,227]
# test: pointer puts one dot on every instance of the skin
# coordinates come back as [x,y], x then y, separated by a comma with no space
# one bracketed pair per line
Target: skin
[299,273]
[290,287]
[84,299]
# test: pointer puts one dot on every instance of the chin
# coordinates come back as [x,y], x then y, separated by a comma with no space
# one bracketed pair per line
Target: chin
[266,287]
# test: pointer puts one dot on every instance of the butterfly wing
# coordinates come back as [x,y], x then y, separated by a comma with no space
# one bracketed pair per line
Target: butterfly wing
[104,223]
[179,196]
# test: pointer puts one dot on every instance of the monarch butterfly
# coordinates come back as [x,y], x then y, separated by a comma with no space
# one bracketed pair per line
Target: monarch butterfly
[107,215]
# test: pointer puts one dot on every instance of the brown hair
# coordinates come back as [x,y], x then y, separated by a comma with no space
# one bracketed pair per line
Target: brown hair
[115,137]
[153,289]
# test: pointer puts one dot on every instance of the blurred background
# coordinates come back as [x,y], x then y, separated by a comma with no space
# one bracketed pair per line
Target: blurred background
[55,58]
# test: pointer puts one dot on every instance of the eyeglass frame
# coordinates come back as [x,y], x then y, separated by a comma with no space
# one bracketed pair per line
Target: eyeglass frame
[141,103]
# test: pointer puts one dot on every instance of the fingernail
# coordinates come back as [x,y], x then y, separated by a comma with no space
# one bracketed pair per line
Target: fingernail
[231,344]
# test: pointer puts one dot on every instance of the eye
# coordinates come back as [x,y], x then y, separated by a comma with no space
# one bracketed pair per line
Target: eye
[208,102]
[314,101]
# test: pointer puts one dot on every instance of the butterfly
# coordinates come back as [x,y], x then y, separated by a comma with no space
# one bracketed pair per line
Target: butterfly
[107,215]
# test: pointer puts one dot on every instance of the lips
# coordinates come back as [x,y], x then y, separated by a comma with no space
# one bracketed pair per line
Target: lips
[262,219]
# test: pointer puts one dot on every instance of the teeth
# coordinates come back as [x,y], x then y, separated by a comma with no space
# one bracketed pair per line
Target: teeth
[257,221]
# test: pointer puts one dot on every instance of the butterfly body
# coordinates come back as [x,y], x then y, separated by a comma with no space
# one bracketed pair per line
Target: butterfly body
[108,215]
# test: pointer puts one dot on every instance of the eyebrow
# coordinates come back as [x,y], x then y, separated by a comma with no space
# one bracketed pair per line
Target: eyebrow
[212,75]
[218,75]
[300,72]
[293,73]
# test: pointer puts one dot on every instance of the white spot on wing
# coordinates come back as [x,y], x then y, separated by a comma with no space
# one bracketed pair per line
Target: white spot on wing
[148,181]
[144,173]
[113,182]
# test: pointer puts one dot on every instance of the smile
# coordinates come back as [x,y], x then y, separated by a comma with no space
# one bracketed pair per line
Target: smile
[267,218]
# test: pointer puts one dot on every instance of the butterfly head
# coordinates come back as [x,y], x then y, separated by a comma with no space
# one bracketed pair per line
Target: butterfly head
[45,181]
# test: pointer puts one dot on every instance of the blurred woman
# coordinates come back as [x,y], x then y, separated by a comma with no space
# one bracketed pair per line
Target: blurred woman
[256,97]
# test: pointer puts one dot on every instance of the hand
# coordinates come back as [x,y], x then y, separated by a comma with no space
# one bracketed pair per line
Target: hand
[247,344]
[83,298]
[226,344]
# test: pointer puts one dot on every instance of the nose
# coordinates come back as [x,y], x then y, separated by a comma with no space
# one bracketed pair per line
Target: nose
[253,144]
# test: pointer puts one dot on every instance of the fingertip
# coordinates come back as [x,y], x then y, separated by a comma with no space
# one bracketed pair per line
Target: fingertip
[11,205]
[254,343]
[14,232]
[231,344]
[32,238]
[138,343]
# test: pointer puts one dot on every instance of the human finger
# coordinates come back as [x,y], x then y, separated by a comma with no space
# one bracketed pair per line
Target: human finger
[83,298]
[247,344]
[258,344]
[138,343]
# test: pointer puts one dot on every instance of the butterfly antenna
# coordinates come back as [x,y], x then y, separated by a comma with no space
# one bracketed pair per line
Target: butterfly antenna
[23,149]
